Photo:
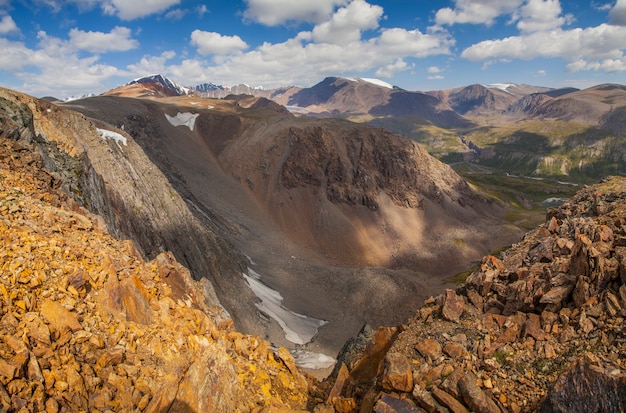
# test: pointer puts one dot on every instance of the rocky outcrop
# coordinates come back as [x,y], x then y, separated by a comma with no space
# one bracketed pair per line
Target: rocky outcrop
[89,325]
[539,328]
[375,163]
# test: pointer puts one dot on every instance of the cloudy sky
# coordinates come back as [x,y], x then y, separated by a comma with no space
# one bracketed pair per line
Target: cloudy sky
[70,47]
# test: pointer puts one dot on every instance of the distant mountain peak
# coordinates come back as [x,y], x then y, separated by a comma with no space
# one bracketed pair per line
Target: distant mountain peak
[207,87]
[77,97]
[162,84]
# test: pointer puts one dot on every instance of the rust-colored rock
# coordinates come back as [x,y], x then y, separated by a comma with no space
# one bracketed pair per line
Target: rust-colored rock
[392,404]
[59,318]
[453,306]
[475,398]
[532,327]
[426,401]
[429,348]
[398,375]
[449,401]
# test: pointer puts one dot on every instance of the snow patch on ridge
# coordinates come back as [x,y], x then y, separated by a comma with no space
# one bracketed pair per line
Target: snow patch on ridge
[373,81]
[298,328]
[108,134]
[377,82]
[183,119]
[502,86]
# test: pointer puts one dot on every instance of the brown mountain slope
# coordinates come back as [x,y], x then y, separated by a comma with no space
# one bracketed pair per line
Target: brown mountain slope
[335,216]
[538,329]
[486,100]
[335,94]
[113,177]
[88,325]
[350,96]
[592,106]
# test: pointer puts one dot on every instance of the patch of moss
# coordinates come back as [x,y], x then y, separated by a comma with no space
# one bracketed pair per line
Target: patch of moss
[460,277]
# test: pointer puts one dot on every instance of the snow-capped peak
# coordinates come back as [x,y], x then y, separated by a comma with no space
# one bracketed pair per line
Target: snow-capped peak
[208,87]
[76,97]
[163,81]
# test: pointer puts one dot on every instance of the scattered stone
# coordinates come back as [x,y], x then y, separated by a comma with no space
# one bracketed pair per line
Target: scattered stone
[429,348]
[475,397]
[391,404]
[447,400]
[340,381]
[426,401]
[453,306]
[398,375]
[454,350]
[451,383]
[59,318]
[532,327]
[556,295]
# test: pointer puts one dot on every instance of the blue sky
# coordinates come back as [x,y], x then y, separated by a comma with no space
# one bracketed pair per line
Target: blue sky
[70,47]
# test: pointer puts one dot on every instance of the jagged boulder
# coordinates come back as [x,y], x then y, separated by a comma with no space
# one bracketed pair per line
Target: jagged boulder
[587,385]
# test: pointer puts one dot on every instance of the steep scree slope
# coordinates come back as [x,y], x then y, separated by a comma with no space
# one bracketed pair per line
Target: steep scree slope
[88,325]
[115,179]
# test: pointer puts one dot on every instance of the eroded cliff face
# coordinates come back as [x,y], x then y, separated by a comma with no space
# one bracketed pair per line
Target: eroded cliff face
[539,328]
[89,325]
[113,178]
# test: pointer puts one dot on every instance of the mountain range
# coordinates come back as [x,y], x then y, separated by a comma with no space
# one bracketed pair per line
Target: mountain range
[498,135]
[448,108]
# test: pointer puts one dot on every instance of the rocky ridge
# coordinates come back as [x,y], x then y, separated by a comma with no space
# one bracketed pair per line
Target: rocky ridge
[113,178]
[538,329]
[89,325]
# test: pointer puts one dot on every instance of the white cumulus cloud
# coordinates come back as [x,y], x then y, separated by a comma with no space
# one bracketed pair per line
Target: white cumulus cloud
[133,9]
[391,69]
[8,26]
[300,61]
[54,67]
[152,64]
[594,48]
[476,11]
[402,42]
[537,15]
[617,15]
[211,43]
[347,23]
[118,39]
[275,12]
